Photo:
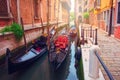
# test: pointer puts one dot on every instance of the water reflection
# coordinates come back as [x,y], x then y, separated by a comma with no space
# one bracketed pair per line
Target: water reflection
[72,70]
[41,70]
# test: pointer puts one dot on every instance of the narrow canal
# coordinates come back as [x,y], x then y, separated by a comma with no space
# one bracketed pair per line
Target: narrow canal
[41,70]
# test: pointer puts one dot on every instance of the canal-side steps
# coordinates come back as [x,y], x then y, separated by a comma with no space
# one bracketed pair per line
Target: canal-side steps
[86,62]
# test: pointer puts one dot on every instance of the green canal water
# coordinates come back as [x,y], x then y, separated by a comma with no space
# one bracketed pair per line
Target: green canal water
[41,70]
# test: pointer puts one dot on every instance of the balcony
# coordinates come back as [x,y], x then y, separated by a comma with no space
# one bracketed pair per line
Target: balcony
[97,4]
[97,8]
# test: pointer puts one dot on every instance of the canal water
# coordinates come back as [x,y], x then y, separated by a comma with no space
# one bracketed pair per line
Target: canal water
[41,70]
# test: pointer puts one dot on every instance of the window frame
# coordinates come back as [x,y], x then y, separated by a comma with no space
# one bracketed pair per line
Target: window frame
[117,13]
[117,24]
[98,2]
[8,10]
[35,7]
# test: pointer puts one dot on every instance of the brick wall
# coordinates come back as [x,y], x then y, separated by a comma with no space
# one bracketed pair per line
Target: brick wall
[117,32]
[26,11]
[14,10]
[102,24]
[44,10]
[117,28]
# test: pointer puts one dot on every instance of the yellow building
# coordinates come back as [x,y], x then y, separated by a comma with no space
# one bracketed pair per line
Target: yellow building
[100,14]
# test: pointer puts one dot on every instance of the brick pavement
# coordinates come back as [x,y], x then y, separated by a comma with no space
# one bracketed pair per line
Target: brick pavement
[110,48]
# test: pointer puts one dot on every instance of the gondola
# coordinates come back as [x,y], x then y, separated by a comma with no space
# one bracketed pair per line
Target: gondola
[73,32]
[34,52]
[59,49]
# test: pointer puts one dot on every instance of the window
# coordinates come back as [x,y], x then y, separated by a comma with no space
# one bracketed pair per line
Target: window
[104,15]
[85,3]
[98,2]
[85,10]
[80,9]
[118,13]
[3,8]
[36,8]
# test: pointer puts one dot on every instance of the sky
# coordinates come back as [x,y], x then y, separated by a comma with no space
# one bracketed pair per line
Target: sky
[72,5]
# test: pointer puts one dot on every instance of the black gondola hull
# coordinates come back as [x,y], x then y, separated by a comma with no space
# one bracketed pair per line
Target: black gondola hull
[55,63]
[15,66]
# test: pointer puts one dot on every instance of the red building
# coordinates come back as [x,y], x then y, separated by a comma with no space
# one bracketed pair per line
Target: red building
[117,20]
[33,13]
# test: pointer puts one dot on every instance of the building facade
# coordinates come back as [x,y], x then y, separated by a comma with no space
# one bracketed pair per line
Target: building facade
[92,15]
[81,6]
[35,15]
[117,19]
[101,14]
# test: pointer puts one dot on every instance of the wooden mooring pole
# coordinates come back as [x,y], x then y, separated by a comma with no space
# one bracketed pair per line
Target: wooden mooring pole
[24,34]
[96,37]
[48,25]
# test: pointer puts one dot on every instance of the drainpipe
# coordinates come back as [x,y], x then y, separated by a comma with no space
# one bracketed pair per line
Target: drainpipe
[111,12]
[18,11]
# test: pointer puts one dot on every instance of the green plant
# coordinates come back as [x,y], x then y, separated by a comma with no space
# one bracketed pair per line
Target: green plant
[16,29]
[72,16]
[86,15]
[6,29]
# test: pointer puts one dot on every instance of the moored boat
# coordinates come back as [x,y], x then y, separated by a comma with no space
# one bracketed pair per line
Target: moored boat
[35,51]
[59,49]
[73,32]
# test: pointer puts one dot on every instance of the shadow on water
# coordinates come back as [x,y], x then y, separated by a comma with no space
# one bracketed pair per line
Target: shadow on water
[41,70]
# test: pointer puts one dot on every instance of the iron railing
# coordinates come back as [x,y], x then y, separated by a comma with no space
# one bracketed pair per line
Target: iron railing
[105,67]
[89,33]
